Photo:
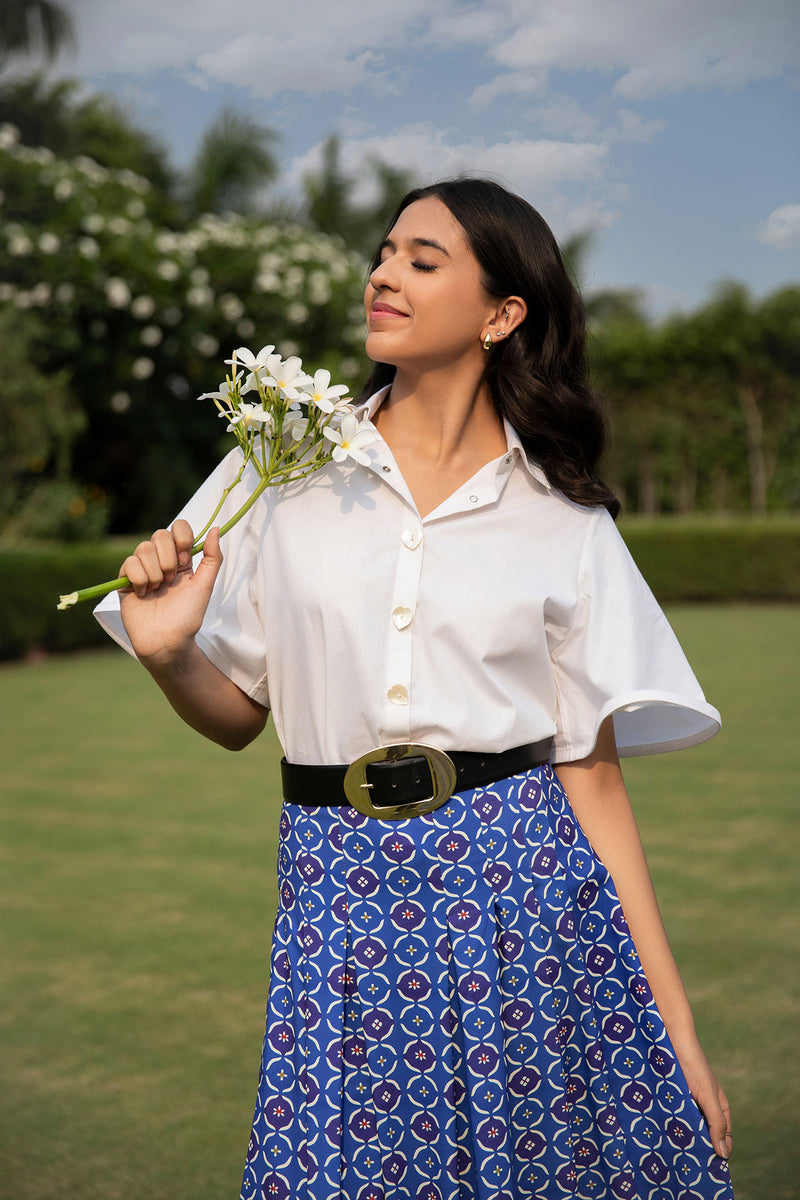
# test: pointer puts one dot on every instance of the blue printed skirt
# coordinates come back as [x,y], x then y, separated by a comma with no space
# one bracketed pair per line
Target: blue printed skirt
[457,1012]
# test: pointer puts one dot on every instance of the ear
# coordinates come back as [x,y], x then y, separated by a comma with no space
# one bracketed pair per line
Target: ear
[507,316]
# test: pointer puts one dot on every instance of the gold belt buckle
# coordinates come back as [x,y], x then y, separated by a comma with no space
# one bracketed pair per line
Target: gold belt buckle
[443,774]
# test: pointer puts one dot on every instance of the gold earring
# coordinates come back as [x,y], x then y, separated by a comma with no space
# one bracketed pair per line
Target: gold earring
[487,342]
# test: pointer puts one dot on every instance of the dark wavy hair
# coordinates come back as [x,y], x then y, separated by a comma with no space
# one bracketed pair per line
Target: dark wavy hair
[537,378]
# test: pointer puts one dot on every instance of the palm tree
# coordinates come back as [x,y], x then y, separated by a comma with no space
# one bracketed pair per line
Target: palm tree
[329,198]
[234,162]
[30,27]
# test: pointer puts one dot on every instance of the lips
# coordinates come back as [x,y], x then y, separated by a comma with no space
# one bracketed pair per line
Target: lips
[381,309]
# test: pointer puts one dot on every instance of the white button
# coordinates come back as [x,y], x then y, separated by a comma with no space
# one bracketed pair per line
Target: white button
[474,499]
[398,694]
[402,616]
[412,538]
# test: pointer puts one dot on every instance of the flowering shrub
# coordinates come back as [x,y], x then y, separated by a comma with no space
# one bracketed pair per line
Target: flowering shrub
[139,314]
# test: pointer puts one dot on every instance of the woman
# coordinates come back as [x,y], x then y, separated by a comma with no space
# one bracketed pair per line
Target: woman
[472,993]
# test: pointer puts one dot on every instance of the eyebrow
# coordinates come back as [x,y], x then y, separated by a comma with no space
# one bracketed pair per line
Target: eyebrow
[417,241]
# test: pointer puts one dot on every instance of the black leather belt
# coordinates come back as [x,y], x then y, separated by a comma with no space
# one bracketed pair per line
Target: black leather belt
[406,779]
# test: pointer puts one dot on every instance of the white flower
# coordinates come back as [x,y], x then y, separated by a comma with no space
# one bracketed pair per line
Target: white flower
[7,291]
[254,363]
[9,135]
[120,402]
[65,293]
[286,375]
[119,226]
[296,313]
[323,395]
[143,307]
[41,294]
[250,415]
[205,344]
[117,292]
[231,307]
[88,247]
[19,245]
[63,189]
[151,335]
[199,297]
[49,243]
[199,276]
[93,223]
[142,368]
[245,327]
[135,208]
[224,395]
[167,269]
[351,439]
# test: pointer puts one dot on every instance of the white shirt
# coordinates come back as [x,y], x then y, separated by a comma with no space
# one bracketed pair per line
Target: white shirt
[506,615]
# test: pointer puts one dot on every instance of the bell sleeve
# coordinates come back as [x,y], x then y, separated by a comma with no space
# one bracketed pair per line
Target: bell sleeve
[620,658]
[232,633]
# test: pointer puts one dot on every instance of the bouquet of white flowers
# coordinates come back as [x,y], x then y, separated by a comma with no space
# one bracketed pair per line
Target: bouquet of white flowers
[292,425]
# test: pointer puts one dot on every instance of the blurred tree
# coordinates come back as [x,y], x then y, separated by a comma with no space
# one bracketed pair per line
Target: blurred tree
[34,27]
[331,206]
[233,164]
[51,113]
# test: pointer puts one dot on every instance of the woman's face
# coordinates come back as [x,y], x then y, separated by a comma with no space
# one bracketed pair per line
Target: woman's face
[425,302]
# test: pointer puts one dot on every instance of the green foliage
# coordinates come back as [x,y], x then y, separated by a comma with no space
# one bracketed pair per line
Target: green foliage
[31,579]
[142,316]
[34,27]
[717,559]
[234,162]
[705,405]
[39,421]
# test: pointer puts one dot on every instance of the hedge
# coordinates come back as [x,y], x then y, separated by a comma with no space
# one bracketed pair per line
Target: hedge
[682,559]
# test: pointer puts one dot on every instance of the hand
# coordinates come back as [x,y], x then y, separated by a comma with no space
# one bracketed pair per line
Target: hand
[164,607]
[708,1095]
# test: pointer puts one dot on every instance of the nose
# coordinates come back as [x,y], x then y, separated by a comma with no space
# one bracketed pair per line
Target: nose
[383,276]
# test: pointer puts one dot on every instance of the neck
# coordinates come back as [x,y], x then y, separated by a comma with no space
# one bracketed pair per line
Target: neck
[446,415]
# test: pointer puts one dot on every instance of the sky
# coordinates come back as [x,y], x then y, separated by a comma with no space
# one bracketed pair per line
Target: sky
[666,128]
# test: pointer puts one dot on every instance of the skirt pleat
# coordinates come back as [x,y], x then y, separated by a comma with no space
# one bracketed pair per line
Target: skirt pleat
[457,1012]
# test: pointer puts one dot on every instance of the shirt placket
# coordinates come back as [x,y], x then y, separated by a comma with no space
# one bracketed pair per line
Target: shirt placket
[400,619]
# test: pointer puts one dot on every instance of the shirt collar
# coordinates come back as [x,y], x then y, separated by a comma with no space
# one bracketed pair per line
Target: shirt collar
[515,447]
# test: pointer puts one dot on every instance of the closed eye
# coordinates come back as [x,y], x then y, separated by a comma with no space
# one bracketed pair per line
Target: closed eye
[420,266]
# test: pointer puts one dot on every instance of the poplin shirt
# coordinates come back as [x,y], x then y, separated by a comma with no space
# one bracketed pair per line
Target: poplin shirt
[506,615]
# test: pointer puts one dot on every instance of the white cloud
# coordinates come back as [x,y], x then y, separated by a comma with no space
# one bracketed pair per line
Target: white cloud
[316,46]
[660,47]
[269,65]
[781,228]
[537,169]
[518,83]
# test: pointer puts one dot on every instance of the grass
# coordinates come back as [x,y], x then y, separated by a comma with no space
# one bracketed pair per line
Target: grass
[137,882]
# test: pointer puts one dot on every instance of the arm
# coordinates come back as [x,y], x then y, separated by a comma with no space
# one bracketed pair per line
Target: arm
[162,612]
[600,802]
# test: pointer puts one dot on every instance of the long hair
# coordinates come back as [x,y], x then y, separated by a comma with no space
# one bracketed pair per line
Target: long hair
[537,378]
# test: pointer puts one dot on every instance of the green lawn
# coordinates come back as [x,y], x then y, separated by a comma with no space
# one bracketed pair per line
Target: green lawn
[137,883]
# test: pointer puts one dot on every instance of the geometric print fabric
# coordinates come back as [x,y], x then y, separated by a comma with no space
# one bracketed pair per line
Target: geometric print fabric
[457,1012]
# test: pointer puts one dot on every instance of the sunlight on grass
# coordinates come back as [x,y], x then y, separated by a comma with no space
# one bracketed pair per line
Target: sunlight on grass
[138,874]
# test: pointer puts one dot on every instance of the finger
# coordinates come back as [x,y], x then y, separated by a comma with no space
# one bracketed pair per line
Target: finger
[209,565]
[167,553]
[184,540]
[142,569]
[717,1114]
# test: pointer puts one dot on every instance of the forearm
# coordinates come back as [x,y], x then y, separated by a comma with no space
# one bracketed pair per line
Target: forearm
[206,699]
